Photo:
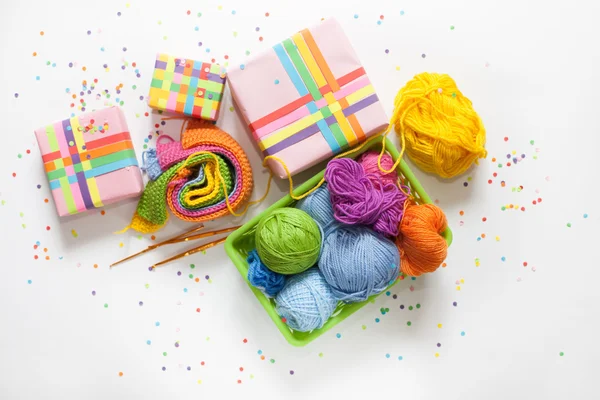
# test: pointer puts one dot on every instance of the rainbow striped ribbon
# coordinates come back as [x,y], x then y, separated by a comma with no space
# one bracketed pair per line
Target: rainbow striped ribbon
[73,164]
[326,104]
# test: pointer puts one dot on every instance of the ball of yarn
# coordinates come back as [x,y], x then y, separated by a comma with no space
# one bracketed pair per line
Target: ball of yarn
[306,301]
[288,241]
[356,200]
[442,132]
[358,262]
[368,160]
[422,248]
[261,277]
[318,206]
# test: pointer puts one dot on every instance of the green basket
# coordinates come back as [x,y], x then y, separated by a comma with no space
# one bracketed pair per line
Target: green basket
[241,241]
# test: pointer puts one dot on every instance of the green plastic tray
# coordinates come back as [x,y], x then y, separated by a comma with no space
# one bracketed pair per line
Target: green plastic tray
[241,241]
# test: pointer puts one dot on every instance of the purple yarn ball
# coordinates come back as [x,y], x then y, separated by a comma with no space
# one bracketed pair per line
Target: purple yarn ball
[363,199]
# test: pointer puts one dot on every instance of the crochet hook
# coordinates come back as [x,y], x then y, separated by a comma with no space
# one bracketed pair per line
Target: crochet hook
[190,252]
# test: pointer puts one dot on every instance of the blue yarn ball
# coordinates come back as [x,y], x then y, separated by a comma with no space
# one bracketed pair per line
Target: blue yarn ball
[150,164]
[358,262]
[306,301]
[318,206]
[261,277]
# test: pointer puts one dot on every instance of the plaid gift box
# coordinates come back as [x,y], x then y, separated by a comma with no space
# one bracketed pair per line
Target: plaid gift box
[187,87]
[90,161]
[307,98]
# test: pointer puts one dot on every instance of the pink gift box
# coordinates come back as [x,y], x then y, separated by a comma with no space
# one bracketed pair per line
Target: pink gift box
[90,161]
[307,98]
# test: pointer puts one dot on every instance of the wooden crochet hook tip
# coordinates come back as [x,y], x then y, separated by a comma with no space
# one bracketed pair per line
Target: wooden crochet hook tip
[190,252]
[174,239]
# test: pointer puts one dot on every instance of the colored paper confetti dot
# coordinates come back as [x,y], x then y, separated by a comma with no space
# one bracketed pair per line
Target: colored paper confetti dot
[437,354]
[277,81]
[462,333]
[157,323]
[451,27]
[16,95]
[355,16]
[423,55]
[439,325]
[105,305]
[387,355]
[401,12]
[164,368]
[164,353]
[568,224]
[585,215]
[338,335]
[561,354]
[29,281]
[408,323]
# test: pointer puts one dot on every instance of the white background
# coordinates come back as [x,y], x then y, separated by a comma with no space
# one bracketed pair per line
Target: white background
[531,70]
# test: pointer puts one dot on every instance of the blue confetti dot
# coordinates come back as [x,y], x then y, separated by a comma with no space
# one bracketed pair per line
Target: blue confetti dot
[503,258]
[207,50]
[184,290]
[338,335]
[37,78]
[259,352]
[401,12]
[196,29]
[29,281]
[387,355]
[388,293]
[478,239]
[379,22]
[585,215]
[101,48]
[377,320]
[157,323]
[462,333]
[355,16]
[148,342]
[232,12]
[399,358]
[242,66]
[277,81]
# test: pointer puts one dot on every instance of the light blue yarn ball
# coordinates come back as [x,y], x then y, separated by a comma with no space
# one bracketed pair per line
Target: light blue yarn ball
[358,262]
[306,301]
[318,206]
[150,164]
[261,277]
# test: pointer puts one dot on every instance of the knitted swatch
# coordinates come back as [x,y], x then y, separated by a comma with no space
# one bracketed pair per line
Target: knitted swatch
[193,178]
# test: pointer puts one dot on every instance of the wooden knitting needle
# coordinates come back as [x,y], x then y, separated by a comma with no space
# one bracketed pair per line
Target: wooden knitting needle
[154,246]
[190,252]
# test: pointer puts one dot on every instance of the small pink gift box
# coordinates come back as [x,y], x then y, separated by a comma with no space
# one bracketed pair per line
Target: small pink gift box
[90,161]
[307,98]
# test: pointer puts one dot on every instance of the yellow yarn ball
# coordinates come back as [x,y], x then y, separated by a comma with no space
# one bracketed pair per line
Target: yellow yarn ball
[440,130]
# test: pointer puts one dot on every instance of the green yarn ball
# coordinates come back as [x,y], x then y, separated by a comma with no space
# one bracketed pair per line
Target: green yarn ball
[288,241]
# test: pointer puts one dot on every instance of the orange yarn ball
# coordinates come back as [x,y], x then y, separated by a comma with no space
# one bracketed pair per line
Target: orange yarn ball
[422,248]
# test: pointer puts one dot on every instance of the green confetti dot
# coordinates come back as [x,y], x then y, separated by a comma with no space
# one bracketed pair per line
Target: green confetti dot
[408,323]
[418,305]
[561,354]
[134,87]
[105,305]
[20,155]
[272,361]
[453,94]
[321,355]
[568,224]
[451,27]
[410,308]
[190,276]
[532,142]
[199,14]
[147,285]
[364,327]
[164,353]
[192,266]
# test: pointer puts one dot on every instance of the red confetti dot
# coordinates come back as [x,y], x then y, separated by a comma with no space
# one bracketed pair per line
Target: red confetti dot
[14,174]
[153,237]
[146,114]
[35,246]
[197,309]
[188,12]
[241,369]
[92,121]
[48,228]
[102,212]
[201,362]
[157,125]
[28,151]
[489,181]
[524,263]
[495,174]
[381,17]
[522,208]
[239,381]
[534,202]
[539,199]
[133,64]
[283,320]
[95,80]
[267,14]
[260,39]
[226,57]
[35,257]
[508,164]
[213,60]
[506,138]
[484,219]
[245,340]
